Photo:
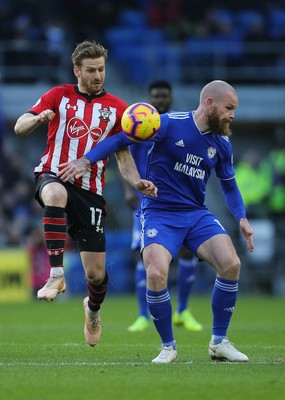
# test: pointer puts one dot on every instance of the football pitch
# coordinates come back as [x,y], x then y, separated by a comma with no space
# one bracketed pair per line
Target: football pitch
[43,354]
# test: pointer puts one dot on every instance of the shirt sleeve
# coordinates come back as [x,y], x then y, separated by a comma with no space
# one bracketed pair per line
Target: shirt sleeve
[233,198]
[108,146]
[225,167]
[114,143]
[45,102]
[164,120]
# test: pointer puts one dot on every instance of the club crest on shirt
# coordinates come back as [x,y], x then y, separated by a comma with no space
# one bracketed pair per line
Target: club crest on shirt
[105,114]
[211,152]
[151,233]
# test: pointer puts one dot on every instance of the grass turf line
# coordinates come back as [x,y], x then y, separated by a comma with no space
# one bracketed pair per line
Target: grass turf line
[43,354]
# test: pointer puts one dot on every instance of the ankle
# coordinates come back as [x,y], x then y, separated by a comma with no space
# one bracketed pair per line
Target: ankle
[56,271]
[217,339]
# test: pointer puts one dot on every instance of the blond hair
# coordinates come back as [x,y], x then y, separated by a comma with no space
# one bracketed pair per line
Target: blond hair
[88,49]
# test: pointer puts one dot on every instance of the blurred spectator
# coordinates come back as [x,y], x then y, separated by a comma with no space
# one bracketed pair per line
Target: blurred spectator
[54,33]
[82,14]
[256,35]
[39,35]
[5,10]
[254,180]
[172,16]
[257,32]
[21,51]
[277,165]
[164,12]
[17,209]
[253,176]
[277,206]
[16,206]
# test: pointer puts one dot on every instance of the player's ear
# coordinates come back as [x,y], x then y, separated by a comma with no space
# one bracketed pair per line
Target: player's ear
[210,102]
[76,71]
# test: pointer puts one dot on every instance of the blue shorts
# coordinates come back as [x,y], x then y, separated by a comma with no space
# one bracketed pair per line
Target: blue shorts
[176,229]
[136,232]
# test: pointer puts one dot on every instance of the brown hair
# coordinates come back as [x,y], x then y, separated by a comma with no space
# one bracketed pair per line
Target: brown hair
[88,49]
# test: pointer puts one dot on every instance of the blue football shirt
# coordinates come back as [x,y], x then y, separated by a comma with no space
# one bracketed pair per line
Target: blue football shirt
[181,160]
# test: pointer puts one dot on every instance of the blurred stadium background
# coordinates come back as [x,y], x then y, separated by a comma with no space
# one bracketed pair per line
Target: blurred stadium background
[185,42]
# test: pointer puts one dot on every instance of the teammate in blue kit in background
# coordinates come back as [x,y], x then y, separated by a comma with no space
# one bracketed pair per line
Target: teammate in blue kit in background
[186,148]
[160,96]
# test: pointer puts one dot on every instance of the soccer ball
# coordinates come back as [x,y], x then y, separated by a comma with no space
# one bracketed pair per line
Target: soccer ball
[140,122]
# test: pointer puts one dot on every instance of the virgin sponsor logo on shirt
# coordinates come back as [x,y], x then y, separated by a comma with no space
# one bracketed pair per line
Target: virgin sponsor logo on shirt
[77,128]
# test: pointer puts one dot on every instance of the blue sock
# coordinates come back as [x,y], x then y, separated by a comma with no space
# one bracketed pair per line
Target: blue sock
[223,303]
[140,279]
[161,312]
[186,270]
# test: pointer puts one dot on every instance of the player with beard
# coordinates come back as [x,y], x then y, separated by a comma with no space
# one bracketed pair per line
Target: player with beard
[79,116]
[160,96]
[186,148]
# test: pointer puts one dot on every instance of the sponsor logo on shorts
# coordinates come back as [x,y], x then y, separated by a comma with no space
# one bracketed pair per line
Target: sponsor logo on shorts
[151,233]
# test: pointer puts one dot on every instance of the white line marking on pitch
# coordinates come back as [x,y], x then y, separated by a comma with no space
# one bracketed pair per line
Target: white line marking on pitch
[78,344]
[101,364]
[63,364]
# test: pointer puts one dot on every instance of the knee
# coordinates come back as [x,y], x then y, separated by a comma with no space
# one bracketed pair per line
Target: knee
[231,269]
[235,267]
[156,278]
[154,275]
[94,274]
[57,197]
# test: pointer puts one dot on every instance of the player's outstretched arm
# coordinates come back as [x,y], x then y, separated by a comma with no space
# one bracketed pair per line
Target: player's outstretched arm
[108,146]
[28,122]
[102,150]
[130,173]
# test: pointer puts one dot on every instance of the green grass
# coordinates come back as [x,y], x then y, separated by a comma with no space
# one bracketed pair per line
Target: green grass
[43,354]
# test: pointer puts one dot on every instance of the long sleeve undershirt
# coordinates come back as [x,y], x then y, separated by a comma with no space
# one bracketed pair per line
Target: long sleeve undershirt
[233,198]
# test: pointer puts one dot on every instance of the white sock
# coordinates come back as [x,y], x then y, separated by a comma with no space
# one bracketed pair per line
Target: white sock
[92,314]
[56,271]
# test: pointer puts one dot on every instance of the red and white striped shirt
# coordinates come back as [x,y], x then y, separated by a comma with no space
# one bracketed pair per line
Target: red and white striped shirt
[80,122]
